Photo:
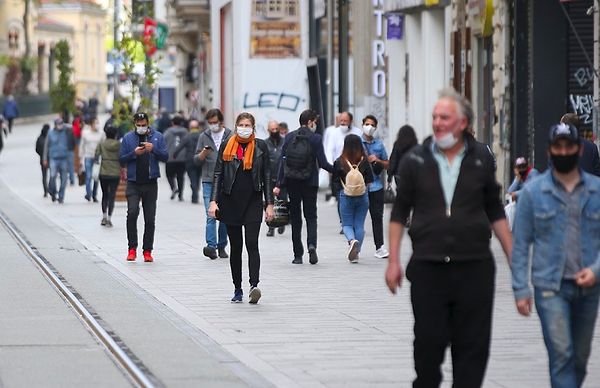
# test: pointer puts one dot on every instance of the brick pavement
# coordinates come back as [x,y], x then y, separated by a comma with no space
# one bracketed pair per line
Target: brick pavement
[329,325]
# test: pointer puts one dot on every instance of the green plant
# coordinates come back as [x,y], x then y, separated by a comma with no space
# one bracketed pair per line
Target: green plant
[62,94]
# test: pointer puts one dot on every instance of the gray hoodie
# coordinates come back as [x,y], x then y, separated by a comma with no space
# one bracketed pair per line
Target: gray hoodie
[173,137]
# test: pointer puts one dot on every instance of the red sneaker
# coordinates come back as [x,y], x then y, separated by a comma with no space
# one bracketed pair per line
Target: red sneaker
[131,255]
[148,256]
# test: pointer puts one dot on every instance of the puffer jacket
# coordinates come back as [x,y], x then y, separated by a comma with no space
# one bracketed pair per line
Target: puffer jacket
[225,173]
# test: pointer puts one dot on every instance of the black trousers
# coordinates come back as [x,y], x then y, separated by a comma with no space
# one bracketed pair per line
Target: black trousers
[194,173]
[44,178]
[148,194]
[176,170]
[109,185]
[10,124]
[303,199]
[376,212]
[236,242]
[452,305]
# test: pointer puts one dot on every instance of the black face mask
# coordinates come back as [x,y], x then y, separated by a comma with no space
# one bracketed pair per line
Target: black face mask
[274,135]
[523,173]
[564,163]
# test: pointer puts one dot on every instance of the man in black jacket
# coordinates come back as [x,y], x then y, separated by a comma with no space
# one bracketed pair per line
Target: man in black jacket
[301,178]
[449,184]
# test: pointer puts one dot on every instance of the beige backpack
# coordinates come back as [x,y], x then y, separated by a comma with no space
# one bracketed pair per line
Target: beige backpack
[355,182]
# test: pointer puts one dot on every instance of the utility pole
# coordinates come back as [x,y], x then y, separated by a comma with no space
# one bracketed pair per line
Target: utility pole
[115,51]
[330,73]
[343,54]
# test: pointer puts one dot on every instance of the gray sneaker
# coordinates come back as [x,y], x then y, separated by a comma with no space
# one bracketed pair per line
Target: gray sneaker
[103,222]
[254,295]
[353,251]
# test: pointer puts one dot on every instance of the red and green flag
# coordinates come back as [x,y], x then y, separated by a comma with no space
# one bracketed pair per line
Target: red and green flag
[155,35]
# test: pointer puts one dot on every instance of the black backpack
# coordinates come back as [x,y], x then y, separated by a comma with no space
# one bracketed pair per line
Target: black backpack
[299,159]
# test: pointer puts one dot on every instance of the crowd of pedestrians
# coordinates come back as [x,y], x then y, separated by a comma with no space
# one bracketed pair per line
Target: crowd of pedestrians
[447,197]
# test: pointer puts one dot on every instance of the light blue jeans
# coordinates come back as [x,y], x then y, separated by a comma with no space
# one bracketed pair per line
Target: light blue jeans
[58,166]
[89,192]
[211,223]
[568,318]
[354,212]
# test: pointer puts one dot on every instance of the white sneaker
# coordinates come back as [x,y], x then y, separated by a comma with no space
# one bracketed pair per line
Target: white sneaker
[353,251]
[381,253]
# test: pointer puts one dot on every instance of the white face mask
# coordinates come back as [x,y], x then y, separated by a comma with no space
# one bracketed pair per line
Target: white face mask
[369,130]
[244,133]
[214,127]
[446,141]
[313,127]
[141,130]
[344,128]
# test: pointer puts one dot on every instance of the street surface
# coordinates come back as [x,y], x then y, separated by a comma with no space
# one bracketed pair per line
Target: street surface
[333,324]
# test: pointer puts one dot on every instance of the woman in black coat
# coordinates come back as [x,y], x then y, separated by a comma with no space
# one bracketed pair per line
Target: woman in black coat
[242,178]
[39,149]
[405,140]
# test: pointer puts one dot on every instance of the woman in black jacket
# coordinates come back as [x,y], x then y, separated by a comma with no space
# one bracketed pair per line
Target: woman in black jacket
[242,178]
[405,140]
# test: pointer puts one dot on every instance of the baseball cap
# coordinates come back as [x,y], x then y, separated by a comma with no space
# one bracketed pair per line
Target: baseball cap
[140,116]
[521,161]
[563,131]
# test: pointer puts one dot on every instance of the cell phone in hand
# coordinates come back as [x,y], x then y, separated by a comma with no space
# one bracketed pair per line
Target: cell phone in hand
[207,147]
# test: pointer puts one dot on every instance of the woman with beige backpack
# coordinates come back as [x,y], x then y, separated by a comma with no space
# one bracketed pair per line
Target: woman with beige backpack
[354,172]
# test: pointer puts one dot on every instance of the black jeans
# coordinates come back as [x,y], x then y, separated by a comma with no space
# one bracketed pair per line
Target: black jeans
[302,196]
[176,169]
[10,125]
[452,305]
[44,178]
[236,242]
[109,185]
[376,212]
[148,194]
[194,173]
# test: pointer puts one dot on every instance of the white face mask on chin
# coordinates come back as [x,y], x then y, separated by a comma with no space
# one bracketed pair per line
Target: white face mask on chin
[244,133]
[446,141]
[344,128]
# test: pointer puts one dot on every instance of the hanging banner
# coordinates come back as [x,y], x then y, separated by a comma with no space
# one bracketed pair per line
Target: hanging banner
[154,36]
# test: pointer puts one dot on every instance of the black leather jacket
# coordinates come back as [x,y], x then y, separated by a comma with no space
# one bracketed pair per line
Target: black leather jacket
[225,172]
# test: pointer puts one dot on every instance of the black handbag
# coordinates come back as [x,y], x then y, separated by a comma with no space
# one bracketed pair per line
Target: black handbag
[282,214]
[389,196]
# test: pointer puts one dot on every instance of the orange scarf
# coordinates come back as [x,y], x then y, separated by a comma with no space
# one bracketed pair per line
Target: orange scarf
[234,148]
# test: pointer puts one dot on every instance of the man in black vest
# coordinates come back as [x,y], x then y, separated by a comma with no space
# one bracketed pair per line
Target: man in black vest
[449,184]
[301,157]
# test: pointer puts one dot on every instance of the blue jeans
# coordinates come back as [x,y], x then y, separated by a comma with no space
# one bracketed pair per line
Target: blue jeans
[354,212]
[89,192]
[211,223]
[568,318]
[58,166]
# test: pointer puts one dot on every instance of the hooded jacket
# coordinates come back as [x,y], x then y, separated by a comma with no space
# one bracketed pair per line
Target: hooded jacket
[109,151]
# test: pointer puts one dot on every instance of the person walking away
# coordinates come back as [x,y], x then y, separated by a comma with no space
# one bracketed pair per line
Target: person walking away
[405,140]
[140,152]
[55,157]
[188,147]
[449,183]
[91,137]
[242,179]
[353,173]
[378,158]
[207,151]
[10,111]
[110,172]
[558,214]
[301,157]
[39,149]
[274,144]
[175,168]
[71,147]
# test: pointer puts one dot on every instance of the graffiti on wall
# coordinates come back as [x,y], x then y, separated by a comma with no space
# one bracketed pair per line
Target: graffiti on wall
[583,105]
[276,100]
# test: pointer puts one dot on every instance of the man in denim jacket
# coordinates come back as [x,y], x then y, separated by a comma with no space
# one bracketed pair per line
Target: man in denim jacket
[559,214]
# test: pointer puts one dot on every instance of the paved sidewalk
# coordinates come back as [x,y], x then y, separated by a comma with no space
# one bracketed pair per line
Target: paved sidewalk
[329,325]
